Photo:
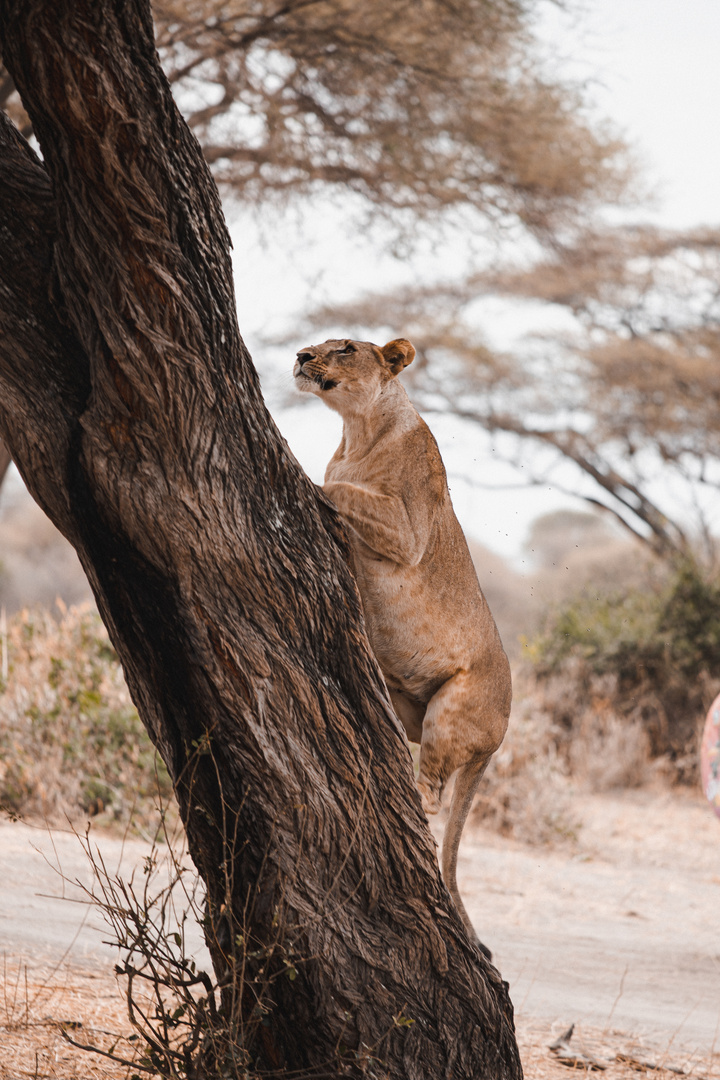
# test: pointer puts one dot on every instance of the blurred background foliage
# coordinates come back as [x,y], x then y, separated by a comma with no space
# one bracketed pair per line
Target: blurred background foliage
[647,657]
[72,745]
[417,108]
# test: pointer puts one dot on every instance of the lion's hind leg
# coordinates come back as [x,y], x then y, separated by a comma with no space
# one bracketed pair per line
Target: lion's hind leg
[453,740]
[451,737]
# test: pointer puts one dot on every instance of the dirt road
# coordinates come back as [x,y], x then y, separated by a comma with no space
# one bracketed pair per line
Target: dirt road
[622,933]
[619,931]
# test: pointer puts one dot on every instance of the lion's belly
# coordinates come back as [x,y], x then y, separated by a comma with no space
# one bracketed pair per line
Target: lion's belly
[420,636]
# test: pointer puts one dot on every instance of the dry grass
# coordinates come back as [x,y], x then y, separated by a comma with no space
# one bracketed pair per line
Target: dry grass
[526,790]
[601,750]
[608,753]
[72,746]
[35,1007]
[647,657]
[71,742]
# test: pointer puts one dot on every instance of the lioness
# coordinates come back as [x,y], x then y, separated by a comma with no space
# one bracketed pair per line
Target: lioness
[427,619]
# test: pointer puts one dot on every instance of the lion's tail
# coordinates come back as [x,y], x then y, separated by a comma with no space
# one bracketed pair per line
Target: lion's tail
[466,784]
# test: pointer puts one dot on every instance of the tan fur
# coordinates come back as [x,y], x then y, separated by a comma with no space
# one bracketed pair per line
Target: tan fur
[426,616]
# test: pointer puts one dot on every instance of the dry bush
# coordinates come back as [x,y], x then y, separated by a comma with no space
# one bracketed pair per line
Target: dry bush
[603,751]
[526,792]
[627,677]
[72,744]
[192,1018]
[71,741]
[564,730]
[609,753]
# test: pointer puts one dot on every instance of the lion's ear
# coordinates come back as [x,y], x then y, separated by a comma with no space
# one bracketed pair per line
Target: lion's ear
[398,354]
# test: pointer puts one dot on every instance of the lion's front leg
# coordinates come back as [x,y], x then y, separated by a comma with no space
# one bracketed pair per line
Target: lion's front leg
[381,521]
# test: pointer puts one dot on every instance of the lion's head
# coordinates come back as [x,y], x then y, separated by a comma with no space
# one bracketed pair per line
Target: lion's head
[350,374]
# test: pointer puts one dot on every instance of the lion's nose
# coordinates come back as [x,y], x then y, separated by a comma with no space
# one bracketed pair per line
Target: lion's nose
[303,357]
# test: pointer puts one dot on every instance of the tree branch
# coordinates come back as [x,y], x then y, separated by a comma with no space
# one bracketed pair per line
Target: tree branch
[43,369]
[661,539]
[665,538]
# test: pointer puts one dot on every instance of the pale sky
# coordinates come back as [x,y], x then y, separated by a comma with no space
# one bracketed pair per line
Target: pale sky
[655,71]
[652,68]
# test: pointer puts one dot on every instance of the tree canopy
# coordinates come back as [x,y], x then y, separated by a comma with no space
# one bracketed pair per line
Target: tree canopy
[417,108]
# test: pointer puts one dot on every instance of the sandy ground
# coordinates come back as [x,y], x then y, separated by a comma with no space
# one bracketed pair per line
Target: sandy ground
[618,933]
[622,932]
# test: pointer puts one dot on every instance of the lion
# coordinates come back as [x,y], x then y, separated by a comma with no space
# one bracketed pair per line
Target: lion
[426,617]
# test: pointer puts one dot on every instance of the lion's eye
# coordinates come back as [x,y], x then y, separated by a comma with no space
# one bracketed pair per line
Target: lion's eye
[349,348]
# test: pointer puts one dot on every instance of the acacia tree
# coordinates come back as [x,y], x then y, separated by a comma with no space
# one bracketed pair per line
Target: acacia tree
[424,111]
[132,410]
[627,392]
[417,107]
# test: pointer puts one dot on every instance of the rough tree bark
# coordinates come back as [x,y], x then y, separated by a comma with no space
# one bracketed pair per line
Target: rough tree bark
[5,460]
[133,412]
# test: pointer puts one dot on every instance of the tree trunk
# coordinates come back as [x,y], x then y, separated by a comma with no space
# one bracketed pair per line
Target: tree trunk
[133,412]
[5,461]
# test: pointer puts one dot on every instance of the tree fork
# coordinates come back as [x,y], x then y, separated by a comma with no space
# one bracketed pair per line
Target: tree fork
[132,410]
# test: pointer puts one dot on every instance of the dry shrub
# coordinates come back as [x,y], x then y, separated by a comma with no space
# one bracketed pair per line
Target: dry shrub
[602,751]
[608,753]
[72,744]
[71,741]
[525,792]
[628,677]
[191,1020]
